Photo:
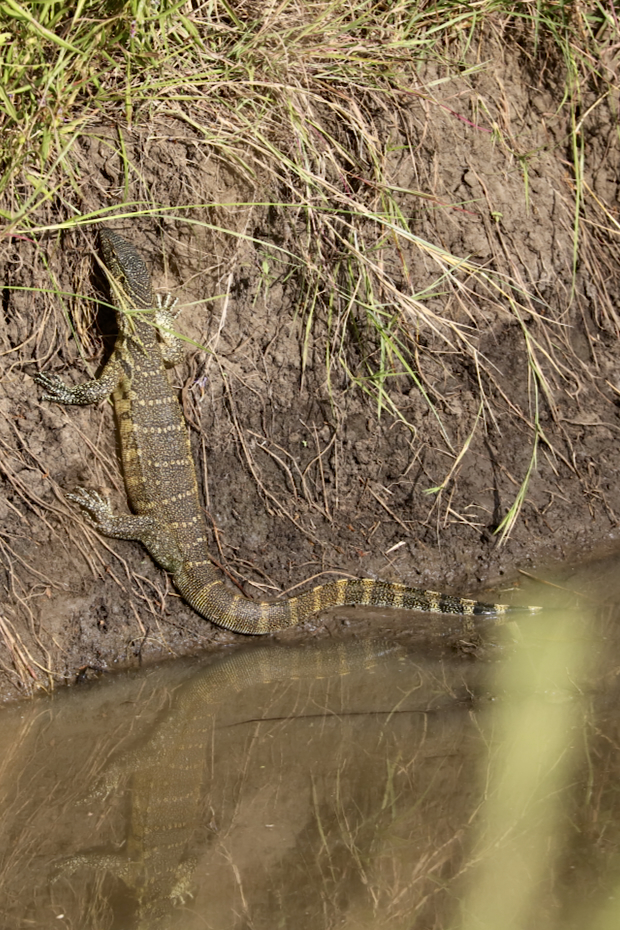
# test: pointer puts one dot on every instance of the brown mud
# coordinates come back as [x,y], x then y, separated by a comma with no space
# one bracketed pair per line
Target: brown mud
[300,479]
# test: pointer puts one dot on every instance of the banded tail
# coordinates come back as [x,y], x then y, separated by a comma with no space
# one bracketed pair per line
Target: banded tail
[205,591]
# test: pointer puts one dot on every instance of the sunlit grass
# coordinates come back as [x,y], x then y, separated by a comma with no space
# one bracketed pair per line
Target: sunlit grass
[285,94]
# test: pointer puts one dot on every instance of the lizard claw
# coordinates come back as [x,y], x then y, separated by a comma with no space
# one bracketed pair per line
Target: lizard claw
[95,505]
[53,385]
[167,304]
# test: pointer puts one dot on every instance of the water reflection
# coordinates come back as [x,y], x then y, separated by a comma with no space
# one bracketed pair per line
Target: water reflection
[268,783]
[350,786]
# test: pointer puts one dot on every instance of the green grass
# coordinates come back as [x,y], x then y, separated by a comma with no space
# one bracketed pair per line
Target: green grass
[294,98]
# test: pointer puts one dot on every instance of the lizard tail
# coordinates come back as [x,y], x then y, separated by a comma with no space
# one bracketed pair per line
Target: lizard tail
[216,602]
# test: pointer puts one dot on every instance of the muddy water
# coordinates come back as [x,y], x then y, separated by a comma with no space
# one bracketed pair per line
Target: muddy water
[354,786]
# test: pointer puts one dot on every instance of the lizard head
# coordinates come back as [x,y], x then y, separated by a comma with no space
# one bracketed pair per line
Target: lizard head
[128,276]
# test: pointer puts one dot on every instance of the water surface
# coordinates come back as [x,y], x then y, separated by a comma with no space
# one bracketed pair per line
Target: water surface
[322,786]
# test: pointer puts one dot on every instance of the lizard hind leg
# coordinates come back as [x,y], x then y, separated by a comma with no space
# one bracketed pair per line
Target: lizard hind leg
[139,527]
[115,863]
[99,514]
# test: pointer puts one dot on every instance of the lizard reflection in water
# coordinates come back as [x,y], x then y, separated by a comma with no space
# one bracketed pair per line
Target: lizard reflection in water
[167,772]
[161,481]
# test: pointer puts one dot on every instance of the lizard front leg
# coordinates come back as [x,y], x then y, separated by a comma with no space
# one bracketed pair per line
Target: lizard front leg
[91,392]
[172,350]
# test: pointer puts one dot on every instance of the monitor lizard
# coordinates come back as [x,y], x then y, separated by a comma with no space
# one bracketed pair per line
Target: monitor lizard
[161,481]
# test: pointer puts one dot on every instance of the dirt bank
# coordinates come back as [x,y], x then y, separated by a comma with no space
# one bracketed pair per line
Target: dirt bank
[514,375]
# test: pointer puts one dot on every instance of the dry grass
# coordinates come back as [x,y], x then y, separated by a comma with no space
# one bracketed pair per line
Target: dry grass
[310,107]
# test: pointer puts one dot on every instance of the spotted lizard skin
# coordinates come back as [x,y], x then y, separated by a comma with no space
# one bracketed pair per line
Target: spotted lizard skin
[161,481]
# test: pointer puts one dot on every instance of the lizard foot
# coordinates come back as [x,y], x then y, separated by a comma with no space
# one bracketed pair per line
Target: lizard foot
[96,506]
[167,304]
[55,388]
